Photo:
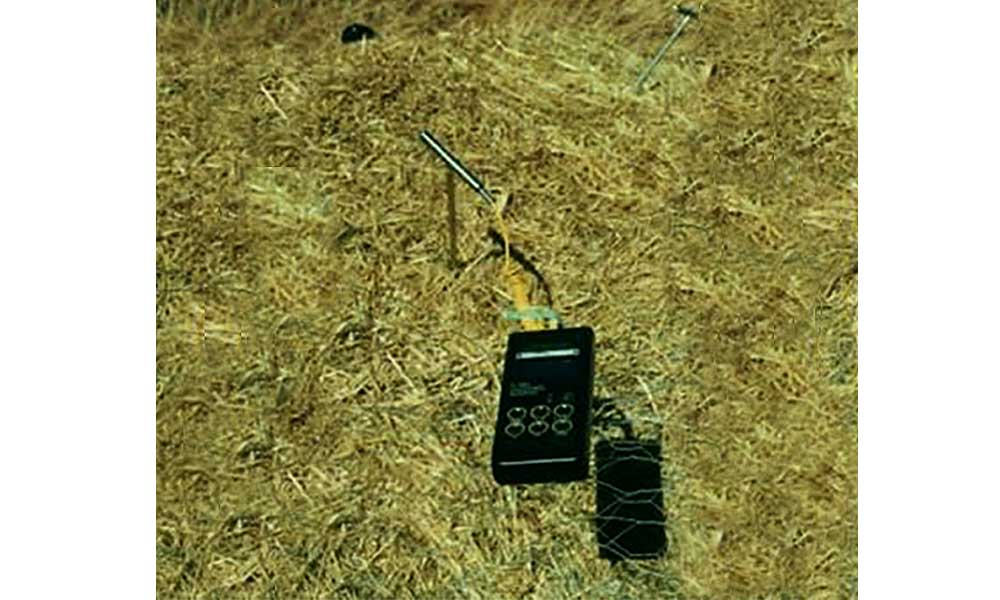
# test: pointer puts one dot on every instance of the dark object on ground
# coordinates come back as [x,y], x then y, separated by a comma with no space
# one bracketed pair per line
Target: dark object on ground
[543,420]
[630,519]
[355,32]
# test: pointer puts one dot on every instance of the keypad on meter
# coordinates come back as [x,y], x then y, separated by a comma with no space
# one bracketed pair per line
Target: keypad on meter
[539,420]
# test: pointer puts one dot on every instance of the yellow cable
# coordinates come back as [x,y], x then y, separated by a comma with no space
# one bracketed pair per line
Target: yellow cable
[515,283]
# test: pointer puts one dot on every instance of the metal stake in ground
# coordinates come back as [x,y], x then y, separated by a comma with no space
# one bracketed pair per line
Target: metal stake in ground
[686,15]
[452,219]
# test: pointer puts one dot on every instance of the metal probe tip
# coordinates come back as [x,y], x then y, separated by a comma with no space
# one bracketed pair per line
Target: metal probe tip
[455,165]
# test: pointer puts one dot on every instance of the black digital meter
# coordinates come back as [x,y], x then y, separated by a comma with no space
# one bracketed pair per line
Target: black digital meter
[543,421]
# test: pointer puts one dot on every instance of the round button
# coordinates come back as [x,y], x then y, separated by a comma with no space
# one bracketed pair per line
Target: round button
[540,411]
[562,426]
[564,410]
[517,413]
[514,429]
[538,428]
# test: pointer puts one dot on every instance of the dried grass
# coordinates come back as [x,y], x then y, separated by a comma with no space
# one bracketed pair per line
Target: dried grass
[326,381]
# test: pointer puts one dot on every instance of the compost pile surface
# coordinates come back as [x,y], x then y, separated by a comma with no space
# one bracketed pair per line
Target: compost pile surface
[327,377]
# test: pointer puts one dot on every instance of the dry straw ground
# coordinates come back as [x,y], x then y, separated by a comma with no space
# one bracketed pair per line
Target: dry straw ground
[326,381]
